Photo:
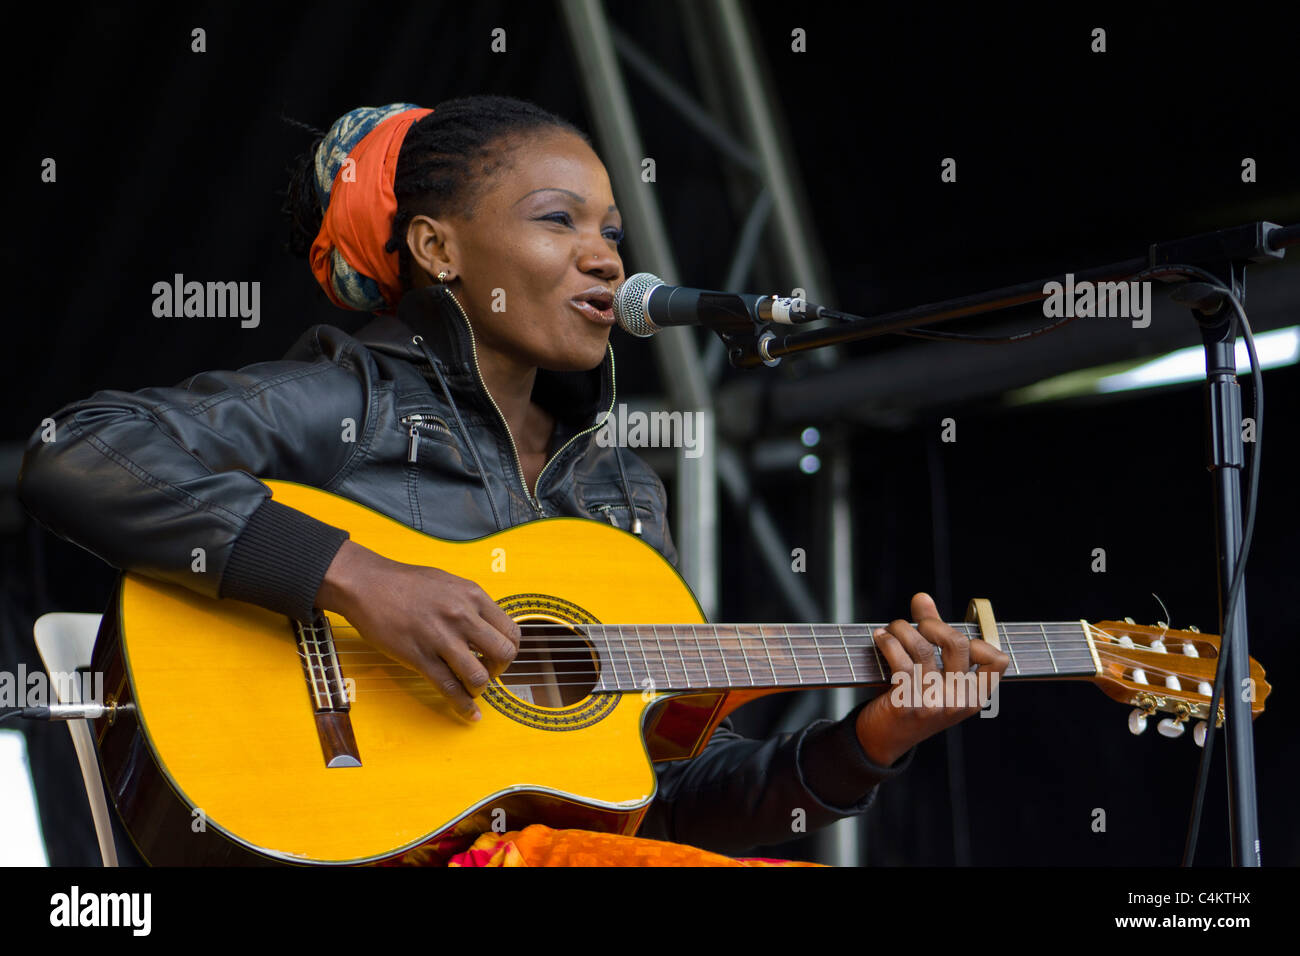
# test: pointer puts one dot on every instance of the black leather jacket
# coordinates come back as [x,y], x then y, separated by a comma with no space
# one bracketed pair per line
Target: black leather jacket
[395,417]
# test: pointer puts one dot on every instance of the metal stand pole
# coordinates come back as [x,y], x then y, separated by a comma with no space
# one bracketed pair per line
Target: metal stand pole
[1225,459]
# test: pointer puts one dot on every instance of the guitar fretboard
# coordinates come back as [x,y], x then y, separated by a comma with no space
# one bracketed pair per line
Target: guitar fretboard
[677,657]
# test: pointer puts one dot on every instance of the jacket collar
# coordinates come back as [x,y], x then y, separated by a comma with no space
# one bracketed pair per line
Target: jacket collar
[576,399]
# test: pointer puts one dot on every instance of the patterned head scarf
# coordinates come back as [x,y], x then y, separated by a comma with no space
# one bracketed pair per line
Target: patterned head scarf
[358,206]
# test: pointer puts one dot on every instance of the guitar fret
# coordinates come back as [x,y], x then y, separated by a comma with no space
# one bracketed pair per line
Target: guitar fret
[686,675]
[606,657]
[659,644]
[725,670]
[812,632]
[767,649]
[880,666]
[1050,655]
[645,662]
[648,682]
[627,661]
[740,645]
[853,673]
[794,657]
[1007,645]
[699,651]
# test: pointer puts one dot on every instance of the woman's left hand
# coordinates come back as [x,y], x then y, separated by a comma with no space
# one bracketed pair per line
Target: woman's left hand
[892,723]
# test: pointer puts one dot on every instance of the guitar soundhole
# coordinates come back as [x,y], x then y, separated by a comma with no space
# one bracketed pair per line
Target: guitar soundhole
[555,666]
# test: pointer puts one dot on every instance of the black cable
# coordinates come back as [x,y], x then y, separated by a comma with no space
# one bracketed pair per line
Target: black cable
[940,335]
[1238,577]
[986,339]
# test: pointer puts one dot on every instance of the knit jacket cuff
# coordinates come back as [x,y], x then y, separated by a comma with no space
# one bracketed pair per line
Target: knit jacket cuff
[280,558]
[833,766]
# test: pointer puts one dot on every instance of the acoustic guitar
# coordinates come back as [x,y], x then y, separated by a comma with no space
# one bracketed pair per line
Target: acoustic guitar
[235,735]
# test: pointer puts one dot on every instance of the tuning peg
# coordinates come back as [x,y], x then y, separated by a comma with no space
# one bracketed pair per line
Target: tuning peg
[1129,620]
[1205,689]
[1158,646]
[1137,721]
[1193,628]
[1139,675]
[1169,727]
[1198,733]
[1190,649]
[1173,683]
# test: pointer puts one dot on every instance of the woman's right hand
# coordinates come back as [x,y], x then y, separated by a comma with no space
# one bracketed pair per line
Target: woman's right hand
[425,619]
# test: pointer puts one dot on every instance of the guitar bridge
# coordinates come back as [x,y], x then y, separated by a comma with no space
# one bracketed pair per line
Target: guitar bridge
[328,692]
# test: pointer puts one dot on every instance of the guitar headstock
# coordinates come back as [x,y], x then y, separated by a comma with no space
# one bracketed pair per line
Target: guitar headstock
[1161,670]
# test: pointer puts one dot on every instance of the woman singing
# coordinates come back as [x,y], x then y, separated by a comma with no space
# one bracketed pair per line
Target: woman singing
[485,235]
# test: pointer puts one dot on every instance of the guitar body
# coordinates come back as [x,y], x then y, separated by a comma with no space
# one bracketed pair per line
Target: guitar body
[212,750]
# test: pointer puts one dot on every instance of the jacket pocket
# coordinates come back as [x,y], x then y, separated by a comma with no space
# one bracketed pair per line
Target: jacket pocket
[420,425]
[615,510]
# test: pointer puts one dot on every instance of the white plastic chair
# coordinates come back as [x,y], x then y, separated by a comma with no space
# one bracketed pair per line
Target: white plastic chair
[65,641]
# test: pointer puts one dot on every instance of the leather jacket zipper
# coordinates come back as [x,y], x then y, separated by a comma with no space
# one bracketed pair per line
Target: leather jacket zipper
[421,421]
[608,512]
[519,466]
[591,428]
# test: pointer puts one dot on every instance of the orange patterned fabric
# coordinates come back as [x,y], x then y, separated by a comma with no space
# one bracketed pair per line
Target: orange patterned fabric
[358,205]
[539,845]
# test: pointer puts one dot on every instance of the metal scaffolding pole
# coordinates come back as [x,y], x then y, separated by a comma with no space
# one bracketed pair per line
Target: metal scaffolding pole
[798,246]
[678,358]
[842,841]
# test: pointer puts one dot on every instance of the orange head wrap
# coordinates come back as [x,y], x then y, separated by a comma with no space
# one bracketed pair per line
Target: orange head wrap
[358,206]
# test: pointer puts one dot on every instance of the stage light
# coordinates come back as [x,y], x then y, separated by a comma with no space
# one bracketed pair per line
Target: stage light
[1276,348]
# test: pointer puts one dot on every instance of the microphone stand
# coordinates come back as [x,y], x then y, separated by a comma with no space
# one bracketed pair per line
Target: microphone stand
[1224,254]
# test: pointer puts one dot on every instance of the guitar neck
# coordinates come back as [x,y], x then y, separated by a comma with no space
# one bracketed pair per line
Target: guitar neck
[681,657]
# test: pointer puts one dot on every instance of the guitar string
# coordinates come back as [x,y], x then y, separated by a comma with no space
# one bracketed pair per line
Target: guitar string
[1064,635]
[379,658]
[709,656]
[1067,630]
[827,641]
[716,654]
[1026,643]
[1072,655]
[851,677]
[780,672]
[690,681]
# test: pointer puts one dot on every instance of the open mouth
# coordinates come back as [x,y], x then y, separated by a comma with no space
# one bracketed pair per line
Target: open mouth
[598,306]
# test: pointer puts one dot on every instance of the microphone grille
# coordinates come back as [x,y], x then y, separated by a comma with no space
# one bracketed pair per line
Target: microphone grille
[630,304]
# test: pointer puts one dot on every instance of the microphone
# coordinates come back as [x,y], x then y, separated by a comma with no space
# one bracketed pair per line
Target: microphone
[644,305]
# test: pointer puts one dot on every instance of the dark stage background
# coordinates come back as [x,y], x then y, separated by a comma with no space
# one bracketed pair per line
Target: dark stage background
[170,161]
